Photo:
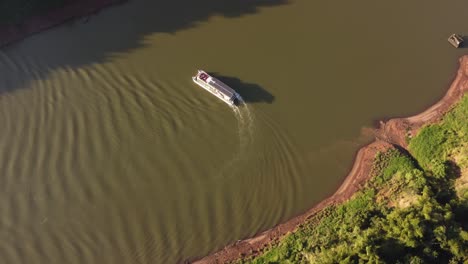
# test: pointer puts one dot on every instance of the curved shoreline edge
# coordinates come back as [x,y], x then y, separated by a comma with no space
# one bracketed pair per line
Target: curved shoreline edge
[10,34]
[390,134]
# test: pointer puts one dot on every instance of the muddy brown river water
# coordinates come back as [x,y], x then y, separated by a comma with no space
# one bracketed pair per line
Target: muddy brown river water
[110,154]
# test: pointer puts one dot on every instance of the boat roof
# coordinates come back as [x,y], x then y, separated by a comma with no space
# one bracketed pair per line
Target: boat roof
[219,85]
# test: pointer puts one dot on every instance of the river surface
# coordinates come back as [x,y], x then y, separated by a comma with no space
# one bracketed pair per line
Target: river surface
[110,154]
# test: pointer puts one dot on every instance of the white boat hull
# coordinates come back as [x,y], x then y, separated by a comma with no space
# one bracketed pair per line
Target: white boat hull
[228,100]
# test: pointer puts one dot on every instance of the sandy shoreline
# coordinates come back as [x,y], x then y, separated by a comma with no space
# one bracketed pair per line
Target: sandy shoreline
[390,134]
[13,33]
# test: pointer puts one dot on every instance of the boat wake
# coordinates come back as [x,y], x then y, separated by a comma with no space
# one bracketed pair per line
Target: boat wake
[245,130]
[245,123]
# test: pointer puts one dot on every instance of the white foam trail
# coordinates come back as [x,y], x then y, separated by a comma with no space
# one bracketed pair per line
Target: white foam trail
[245,122]
[245,130]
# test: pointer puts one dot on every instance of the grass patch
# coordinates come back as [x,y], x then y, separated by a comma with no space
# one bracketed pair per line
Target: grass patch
[398,168]
[434,143]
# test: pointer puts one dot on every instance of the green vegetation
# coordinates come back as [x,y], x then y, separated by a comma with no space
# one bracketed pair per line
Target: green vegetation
[414,210]
[15,11]
[437,143]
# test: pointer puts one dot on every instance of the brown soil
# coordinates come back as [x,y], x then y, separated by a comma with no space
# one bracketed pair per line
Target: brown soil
[392,133]
[13,33]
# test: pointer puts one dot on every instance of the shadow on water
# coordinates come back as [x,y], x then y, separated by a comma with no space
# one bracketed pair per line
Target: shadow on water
[464,44]
[118,30]
[250,92]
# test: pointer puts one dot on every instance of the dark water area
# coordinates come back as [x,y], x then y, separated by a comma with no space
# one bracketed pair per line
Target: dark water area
[111,154]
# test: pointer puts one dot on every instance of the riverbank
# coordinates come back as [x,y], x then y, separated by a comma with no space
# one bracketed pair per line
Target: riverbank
[391,134]
[15,32]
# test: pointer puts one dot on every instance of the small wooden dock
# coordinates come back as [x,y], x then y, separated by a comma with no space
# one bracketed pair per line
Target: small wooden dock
[455,40]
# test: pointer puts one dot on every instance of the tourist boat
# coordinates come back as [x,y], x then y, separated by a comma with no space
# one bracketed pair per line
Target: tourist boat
[217,88]
[455,40]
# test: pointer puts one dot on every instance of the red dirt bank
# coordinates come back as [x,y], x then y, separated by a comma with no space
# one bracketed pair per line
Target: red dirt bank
[10,34]
[390,134]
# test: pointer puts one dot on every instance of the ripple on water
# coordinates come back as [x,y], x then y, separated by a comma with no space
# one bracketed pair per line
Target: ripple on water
[112,161]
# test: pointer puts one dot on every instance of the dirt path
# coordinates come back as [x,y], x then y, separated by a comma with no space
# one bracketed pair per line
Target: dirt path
[390,134]
[13,33]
